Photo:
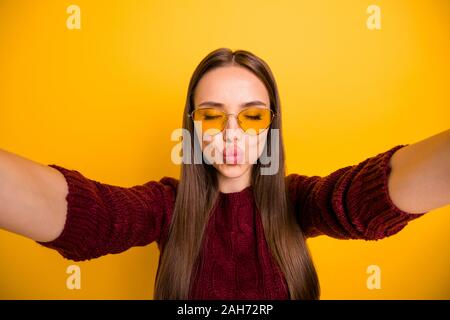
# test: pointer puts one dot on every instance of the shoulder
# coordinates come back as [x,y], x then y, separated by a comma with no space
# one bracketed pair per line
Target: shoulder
[170,183]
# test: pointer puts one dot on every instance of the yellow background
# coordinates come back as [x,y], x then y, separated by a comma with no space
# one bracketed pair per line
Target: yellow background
[104,99]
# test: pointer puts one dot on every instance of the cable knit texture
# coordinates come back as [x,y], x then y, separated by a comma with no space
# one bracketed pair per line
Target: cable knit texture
[235,262]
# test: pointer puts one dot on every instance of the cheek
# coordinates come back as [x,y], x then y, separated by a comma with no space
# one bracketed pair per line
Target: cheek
[254,146]
[211,145]
[262,139]
[207,139]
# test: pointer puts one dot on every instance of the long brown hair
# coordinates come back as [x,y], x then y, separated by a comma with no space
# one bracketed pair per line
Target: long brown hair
[198,190]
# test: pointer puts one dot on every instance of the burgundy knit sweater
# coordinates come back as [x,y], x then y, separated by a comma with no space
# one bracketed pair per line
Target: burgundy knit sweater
[350,203]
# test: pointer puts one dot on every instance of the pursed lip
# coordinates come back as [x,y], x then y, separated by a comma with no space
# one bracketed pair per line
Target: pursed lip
[232,155]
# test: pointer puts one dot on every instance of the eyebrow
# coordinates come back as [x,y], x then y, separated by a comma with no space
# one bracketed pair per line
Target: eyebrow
[218,104]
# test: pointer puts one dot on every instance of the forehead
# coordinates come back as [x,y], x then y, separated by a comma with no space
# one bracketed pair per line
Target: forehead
[230,85]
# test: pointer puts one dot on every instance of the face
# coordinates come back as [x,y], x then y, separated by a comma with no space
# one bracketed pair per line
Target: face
[232,89]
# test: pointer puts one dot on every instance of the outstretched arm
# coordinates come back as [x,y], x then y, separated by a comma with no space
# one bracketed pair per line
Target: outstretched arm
[79,217]
[32,198]
[352,202]
[420,174]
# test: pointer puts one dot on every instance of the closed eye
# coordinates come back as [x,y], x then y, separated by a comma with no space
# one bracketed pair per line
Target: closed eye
[207,117]
[253,117]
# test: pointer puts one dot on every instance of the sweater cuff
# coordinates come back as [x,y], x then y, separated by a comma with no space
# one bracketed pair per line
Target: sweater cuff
[383,218]
[70,242]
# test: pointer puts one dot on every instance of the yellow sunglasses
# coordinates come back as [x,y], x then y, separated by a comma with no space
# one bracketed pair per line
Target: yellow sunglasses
[252,120]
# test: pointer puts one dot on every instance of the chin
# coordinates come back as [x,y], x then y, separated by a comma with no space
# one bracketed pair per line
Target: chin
[232,171]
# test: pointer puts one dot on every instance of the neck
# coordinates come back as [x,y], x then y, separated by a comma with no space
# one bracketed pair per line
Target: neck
[234,184]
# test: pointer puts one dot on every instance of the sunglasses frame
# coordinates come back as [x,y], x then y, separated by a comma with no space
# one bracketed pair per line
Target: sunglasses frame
[273,115]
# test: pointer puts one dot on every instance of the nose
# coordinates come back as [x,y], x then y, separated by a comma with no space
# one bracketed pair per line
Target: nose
[232,129]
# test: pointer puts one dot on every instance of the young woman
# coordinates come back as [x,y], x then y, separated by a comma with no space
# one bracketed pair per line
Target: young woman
[227,228]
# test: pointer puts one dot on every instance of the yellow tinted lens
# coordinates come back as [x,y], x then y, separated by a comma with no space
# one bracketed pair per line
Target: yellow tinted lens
[212,120]
[253,120]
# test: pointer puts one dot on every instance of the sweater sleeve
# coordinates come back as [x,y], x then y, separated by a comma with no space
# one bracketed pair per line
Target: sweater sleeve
[103,218]
[350,203]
